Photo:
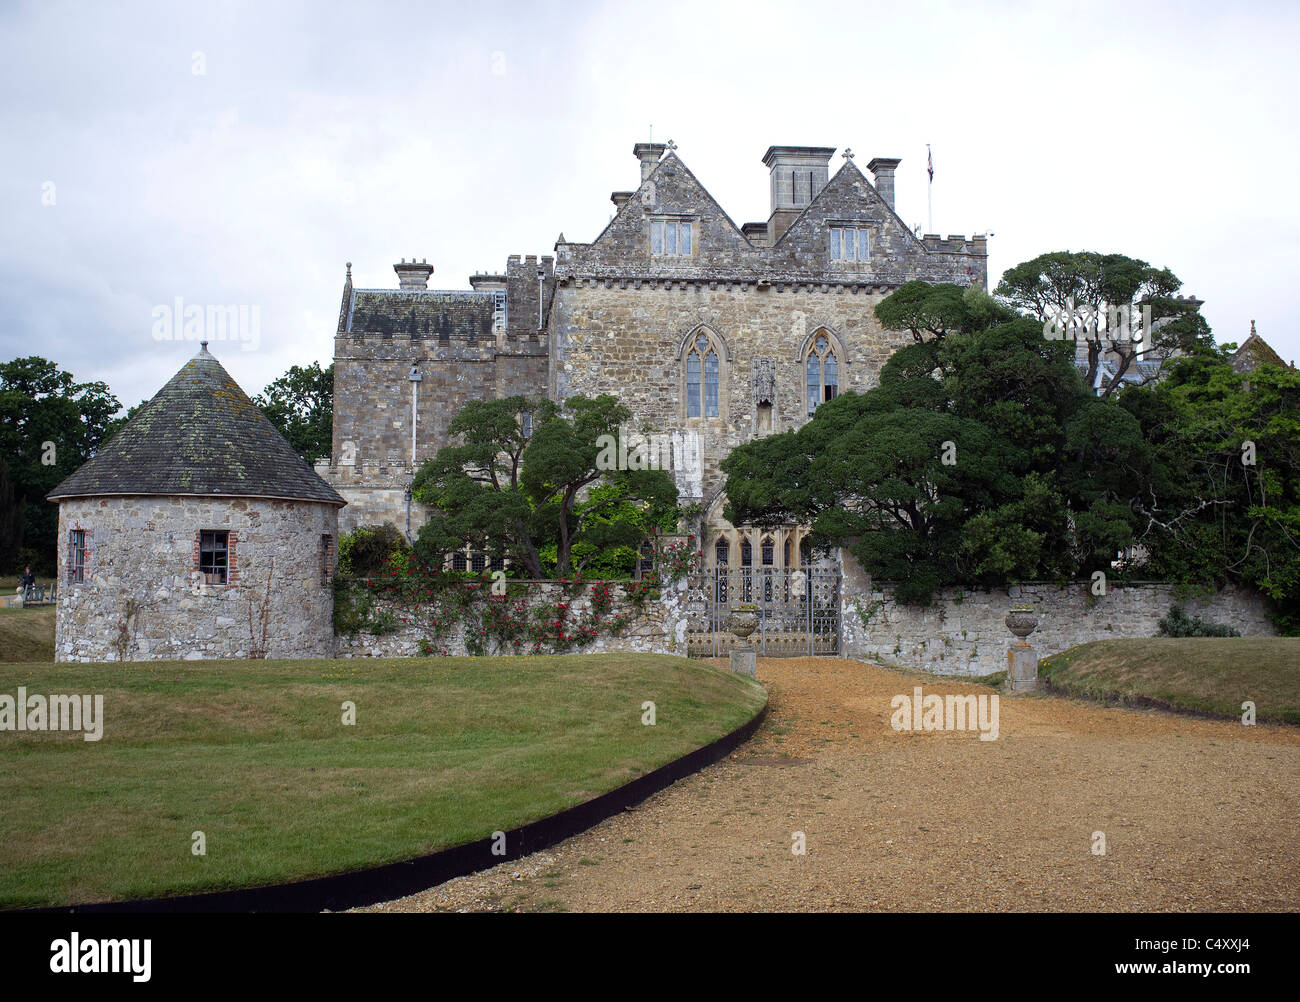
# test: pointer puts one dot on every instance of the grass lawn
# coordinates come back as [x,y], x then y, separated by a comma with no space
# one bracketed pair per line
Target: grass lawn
[1204,674]
[27,634]
[253,754]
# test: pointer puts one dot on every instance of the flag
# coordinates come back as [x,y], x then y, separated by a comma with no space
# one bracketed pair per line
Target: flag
[930,166]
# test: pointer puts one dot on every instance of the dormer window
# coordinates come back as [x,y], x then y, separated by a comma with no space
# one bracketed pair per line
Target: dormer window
[670,236]
[848,243]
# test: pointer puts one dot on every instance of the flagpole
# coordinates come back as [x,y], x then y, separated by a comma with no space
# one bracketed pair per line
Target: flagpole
[929,192]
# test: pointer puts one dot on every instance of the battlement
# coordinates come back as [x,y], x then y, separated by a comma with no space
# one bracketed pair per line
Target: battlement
[956,244]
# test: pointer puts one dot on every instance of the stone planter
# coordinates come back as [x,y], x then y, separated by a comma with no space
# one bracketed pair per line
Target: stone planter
[1022,622]
[1022,661]
[742,621]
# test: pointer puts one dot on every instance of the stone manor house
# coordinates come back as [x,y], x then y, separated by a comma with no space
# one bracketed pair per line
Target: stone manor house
[711,333]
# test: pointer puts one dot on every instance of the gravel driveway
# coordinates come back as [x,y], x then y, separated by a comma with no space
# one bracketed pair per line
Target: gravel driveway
[1196,815]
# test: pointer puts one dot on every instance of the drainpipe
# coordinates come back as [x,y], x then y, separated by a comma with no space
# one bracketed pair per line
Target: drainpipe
[408,517]
[541,276]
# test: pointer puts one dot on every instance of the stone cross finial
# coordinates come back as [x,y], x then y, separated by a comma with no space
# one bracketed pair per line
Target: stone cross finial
[847,154]
[671,145]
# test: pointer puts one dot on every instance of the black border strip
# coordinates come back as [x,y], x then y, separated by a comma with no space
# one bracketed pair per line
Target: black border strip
[396,880]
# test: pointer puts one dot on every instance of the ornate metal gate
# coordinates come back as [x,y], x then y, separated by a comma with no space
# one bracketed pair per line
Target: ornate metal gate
[798,610]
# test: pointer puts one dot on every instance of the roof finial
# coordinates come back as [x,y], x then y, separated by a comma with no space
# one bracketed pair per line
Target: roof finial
[671,145]
[1252,328]
[848,154]
[349,271]
[203,347]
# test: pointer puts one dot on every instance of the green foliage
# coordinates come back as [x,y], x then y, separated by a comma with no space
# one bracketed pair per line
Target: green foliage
[40,403]
[369,550]
[1054,286]
[1211,515]
[542,502]
[1176,623]
[301,405]
[959,468]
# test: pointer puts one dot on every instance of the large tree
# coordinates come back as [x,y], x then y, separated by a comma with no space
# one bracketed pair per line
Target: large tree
[974,461]
[1224,504]
[514,495]
[1084,292]
[301,405]
[49,425]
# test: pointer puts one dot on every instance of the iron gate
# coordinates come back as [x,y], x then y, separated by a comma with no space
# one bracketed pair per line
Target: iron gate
[790,624]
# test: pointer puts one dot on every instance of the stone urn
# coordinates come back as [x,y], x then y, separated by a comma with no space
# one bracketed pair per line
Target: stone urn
[1022,622]
[1022,662]
[743,621]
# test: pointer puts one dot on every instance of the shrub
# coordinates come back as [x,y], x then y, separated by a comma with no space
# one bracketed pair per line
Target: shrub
[369,550]
[1178,624]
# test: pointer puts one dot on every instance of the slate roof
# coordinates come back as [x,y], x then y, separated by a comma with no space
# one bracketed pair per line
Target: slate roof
[422,313]
[199,435]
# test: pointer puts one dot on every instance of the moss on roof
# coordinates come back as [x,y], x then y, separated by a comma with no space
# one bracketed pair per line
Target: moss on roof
[200,435]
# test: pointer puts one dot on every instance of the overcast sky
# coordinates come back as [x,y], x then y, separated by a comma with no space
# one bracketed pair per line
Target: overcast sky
[241,153]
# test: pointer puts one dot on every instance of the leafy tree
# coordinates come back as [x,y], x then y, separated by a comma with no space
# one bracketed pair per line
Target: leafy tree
[1061,285]
[515,497]
[49,425]
[1224,504]
[974,461]
[301,405]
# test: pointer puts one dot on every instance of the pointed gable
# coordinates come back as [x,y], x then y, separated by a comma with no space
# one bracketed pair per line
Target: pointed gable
[849,202]
[671,194]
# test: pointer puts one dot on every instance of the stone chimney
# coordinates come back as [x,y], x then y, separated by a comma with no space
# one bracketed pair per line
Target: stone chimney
[414,275]
[883,168]
[648,154]
[619,198]
[798,174]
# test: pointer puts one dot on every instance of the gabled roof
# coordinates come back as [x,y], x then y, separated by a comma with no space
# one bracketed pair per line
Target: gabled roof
[844,178]
[199,435]
[674,162]
[1254,352]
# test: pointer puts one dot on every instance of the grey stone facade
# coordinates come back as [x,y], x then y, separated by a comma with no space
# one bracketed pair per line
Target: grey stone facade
[142,559]
[195,532]
[619,315]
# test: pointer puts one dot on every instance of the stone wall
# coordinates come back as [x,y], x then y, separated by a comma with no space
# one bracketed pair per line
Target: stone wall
[145,548]
[661,629]
[964,631]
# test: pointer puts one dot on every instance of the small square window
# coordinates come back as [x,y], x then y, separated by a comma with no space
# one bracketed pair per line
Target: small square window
[849,243]
[214,550]
[670,236]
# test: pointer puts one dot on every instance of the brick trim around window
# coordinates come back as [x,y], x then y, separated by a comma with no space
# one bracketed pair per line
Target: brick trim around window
[232,561]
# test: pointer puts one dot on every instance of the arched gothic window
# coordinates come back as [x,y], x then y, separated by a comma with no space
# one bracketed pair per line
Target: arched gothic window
[703,370]
[823,372]
[722,552]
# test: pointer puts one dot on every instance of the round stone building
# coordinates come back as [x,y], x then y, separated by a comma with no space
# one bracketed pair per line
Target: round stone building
[196,532]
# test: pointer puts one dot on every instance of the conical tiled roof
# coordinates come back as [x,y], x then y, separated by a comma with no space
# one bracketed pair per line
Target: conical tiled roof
[200,435]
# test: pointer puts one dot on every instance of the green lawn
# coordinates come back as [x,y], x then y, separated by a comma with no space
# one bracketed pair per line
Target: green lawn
[27,634]
[254,755]
[1204,675]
